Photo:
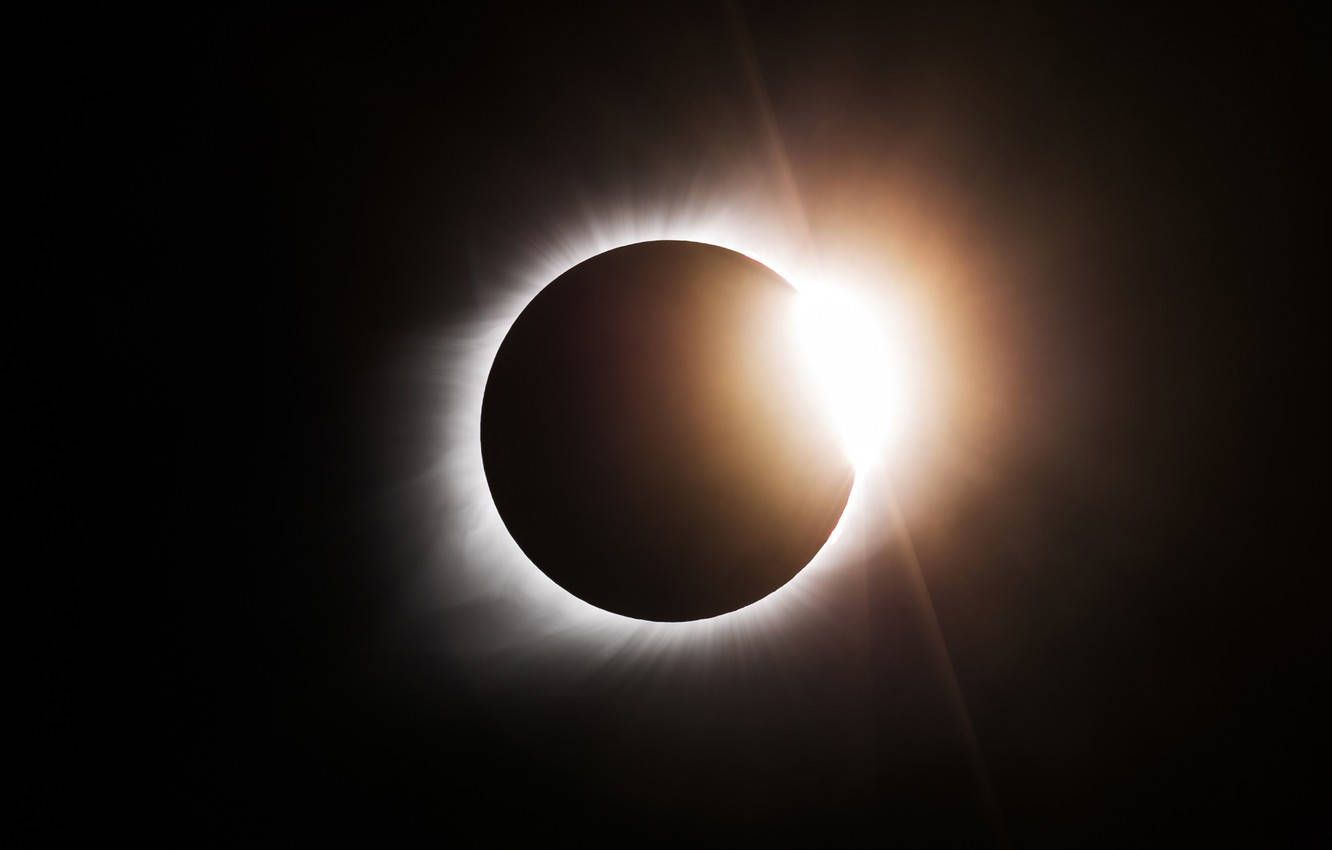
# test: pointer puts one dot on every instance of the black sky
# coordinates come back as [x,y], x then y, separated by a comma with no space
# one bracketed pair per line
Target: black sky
[1126,592]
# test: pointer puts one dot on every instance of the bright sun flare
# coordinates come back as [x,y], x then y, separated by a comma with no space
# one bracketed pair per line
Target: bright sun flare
[857,372]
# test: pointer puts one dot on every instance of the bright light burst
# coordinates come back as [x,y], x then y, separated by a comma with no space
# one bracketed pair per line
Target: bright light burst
[860,379]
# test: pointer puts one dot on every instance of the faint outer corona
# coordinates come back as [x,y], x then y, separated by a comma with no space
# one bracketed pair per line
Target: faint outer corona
[649,437]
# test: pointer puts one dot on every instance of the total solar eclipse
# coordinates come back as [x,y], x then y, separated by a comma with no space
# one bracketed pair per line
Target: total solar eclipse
[652,438]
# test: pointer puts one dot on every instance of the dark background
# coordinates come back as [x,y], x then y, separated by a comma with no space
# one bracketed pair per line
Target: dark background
[1128,596]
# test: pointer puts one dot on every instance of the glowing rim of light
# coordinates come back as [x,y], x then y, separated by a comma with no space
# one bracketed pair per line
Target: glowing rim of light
[492,565]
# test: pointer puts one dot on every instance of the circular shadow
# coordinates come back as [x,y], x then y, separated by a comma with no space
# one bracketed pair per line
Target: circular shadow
[650,438]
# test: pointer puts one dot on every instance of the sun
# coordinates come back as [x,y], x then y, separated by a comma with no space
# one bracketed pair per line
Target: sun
[858,331]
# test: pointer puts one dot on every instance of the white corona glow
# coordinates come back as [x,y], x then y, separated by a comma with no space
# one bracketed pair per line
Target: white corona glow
[527,613]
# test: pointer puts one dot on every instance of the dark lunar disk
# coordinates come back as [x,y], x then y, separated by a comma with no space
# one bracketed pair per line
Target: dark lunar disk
[650,438]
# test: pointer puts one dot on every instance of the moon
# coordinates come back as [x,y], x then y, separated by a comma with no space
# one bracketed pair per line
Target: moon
[651,440]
